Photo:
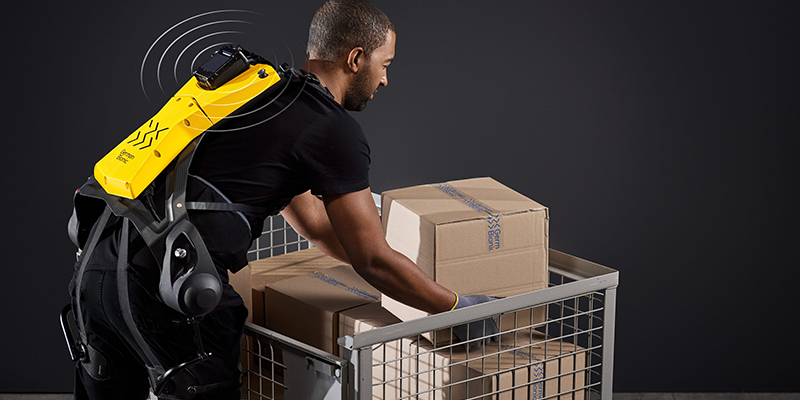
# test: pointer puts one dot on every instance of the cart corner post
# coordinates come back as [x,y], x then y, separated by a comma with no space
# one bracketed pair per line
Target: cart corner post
[609,319]
[359,377]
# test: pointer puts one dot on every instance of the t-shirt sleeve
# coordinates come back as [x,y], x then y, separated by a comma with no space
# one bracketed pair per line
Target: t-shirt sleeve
[334,155]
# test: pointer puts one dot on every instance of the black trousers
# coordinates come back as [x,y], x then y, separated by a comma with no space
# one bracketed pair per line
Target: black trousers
[171,339]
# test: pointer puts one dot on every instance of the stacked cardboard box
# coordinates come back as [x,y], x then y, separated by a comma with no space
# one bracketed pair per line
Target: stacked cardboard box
[275,269]
[527,365]
[457,231]
[473,236]
[307,307]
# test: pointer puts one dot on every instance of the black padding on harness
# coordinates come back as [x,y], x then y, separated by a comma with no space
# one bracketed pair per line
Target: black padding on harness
[97,365]
[94,236]
[189,281]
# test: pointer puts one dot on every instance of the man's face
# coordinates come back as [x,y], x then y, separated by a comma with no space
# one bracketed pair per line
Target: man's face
[370,76]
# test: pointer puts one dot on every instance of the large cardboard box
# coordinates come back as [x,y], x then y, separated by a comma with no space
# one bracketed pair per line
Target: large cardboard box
[307,307]
[473,236]
[275,269]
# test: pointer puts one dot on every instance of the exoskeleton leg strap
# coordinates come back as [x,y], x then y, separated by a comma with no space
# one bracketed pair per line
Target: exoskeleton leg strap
[154,366]
[94,236]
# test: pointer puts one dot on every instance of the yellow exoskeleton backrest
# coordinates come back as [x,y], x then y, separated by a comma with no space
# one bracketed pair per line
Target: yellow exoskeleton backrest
[131,166]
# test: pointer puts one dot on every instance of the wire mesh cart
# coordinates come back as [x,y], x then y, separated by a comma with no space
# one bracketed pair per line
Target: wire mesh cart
[554,343]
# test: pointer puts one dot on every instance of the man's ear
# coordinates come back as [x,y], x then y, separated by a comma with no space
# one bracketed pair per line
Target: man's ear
[355,59]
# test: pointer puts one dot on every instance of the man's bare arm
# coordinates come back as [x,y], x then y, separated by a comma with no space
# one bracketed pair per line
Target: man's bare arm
[355,222]
[307,215]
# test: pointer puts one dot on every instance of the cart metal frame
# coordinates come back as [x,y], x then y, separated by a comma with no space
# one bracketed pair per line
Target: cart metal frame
[579,305]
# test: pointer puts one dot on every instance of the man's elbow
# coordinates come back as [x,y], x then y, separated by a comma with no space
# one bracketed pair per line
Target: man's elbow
[371,268]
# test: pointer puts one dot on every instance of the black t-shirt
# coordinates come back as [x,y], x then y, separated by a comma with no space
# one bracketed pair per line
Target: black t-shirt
[276,147]
[280,146]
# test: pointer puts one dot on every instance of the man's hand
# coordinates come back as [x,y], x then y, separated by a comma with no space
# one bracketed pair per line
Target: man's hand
[486,328]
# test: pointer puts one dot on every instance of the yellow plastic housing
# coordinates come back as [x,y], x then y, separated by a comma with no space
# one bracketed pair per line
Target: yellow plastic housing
[131,166]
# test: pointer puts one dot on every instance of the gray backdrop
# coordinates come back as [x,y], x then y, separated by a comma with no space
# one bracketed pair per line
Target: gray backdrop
[659,133]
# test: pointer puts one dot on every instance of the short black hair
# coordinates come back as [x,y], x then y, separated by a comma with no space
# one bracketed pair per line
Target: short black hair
[342,25]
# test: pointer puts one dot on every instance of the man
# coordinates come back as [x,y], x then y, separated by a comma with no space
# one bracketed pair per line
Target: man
[346,225]
[300,152]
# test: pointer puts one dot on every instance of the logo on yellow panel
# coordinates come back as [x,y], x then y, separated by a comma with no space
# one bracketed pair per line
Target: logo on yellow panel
[142,142]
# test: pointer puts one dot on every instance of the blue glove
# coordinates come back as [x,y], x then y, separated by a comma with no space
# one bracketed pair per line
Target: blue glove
[486,328]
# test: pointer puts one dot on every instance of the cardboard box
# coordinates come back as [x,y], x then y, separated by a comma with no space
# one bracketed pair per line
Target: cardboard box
[550,367]
[473,236]
[307,307]
[408,366]
[275,269]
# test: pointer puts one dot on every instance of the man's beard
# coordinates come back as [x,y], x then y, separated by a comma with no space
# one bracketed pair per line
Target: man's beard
[359,92]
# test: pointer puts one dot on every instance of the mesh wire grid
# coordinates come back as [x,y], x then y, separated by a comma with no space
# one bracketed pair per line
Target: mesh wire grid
[551,351]
[277,238]
[263,370]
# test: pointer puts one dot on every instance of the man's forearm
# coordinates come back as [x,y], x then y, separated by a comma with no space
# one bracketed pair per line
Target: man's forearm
[394,275]
[355,221]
